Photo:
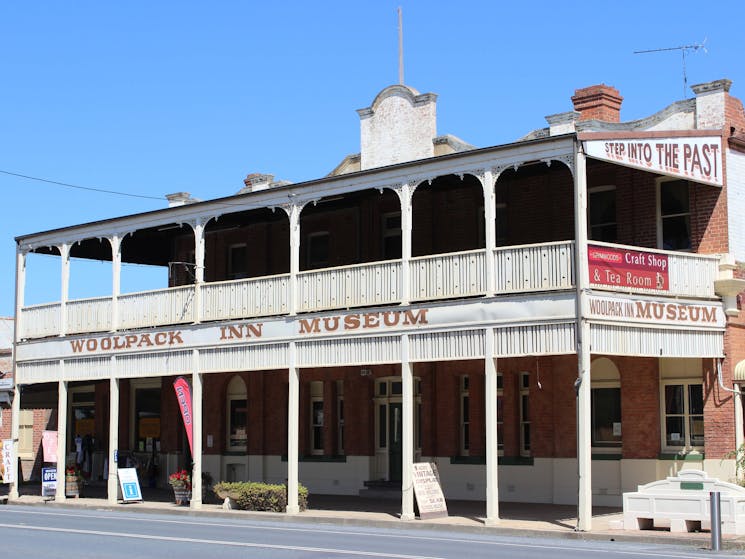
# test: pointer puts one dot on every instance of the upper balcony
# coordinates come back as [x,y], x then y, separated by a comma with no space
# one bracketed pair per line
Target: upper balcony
[517,269]
[379,241]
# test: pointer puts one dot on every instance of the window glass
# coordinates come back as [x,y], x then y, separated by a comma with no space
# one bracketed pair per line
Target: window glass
[237,262]
[391,231]
[684,415]
[606,417]
[675,215]
[603,215]
[318,250]
[317,425]
[238,422]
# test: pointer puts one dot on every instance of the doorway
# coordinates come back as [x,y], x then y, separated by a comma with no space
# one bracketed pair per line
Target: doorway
[389,428]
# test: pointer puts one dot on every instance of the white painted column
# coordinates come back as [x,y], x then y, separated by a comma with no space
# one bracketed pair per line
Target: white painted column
[15,417]
[196,455]
[64,250]
[113,481]
[584,425]
[61,438]
[492,441]
[116,279]
[490,234]
[293,428]
[407,435]
[198,269]
[405,195]
[739,434]
[20,293]
[14,434]
[293,212]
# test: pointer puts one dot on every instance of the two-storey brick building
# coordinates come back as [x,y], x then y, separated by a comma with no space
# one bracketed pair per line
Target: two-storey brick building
[551,317]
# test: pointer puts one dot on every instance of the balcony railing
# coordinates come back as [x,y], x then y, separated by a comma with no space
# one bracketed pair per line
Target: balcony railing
[517,269]
[377,283]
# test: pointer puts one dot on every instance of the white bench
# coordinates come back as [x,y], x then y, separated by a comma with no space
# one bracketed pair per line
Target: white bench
[683,500]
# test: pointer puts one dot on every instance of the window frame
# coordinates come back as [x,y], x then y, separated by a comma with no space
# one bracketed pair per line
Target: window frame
[229,399]
[311,264]
[660,217]
[524,401]
[387,232]
[686,447]
[465,418]
[316,434]
[233,274]
[590,226]
[605,446]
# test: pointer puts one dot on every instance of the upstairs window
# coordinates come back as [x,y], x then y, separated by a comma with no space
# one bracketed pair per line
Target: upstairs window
[602,214]
[674,226]
[391,231]
[237,261]
[318,250]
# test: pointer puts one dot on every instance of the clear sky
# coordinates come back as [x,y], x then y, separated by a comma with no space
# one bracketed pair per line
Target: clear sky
[151,98]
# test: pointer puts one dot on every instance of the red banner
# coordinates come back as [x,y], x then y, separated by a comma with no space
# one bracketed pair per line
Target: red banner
[620,267]
[183,395]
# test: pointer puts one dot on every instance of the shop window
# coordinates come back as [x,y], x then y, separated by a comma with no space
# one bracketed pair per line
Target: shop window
[318,250]
[340,417]
[524,414]
[237,261]
[602,214]
[605,406]
[674,225]
[237,414]
[391,231]
[465,416]
[26,448]
[683,416]
[147,419]
[316,417]
[606,417]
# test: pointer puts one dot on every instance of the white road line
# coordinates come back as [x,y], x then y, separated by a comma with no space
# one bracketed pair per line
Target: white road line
[218,542]
[238,524]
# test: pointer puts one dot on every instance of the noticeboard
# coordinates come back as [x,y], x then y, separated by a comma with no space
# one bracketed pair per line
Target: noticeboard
[129,484]
[428,492]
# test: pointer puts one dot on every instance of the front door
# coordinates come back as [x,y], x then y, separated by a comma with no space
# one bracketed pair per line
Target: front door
[395,431]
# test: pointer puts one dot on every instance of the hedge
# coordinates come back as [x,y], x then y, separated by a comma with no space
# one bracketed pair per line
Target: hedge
[250,495]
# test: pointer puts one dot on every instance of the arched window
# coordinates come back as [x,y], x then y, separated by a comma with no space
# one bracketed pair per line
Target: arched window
[237,404]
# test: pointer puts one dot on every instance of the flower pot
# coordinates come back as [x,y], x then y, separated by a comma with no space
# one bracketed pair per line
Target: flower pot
[182,495]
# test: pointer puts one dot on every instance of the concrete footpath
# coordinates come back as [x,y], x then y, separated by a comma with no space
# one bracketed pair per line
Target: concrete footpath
[516,519]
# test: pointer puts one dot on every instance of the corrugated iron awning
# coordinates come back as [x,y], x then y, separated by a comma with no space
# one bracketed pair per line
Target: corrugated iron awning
[740,371]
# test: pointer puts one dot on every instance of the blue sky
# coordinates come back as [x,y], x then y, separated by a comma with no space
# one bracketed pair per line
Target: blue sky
[150,98]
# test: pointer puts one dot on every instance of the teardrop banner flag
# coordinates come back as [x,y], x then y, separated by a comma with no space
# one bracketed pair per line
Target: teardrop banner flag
[183,395]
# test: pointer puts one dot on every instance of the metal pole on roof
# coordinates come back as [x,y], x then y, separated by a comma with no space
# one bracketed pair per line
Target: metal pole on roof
[400,48]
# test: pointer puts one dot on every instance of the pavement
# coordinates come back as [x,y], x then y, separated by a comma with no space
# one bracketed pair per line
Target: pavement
[515,519]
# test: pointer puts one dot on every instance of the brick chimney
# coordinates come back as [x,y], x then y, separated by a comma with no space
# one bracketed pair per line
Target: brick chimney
[598,102]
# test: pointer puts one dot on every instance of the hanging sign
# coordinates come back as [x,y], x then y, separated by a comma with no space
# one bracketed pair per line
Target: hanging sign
[620,267]
[49,445]
[129,483]
[697,158]
[183,394]
[428,492]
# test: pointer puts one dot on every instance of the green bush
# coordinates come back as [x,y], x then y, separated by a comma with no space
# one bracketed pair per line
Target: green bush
[249,495]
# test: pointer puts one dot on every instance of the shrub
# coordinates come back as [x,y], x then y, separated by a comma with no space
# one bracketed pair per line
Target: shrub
[249,495]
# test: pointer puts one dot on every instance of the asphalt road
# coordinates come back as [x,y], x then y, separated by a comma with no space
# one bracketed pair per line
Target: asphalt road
[62,533]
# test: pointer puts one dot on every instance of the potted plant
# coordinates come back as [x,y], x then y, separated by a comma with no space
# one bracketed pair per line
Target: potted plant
[181,483]
[73,479]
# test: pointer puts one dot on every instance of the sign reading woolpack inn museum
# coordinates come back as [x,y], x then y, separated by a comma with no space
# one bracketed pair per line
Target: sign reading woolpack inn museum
[652,312]
[698,158]
[620,267]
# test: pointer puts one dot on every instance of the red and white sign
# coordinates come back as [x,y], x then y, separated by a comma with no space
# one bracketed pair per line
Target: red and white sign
[183,394]
[697,158]
[619,267]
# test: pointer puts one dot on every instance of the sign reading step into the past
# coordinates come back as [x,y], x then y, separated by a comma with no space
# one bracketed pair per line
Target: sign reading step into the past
[129,485]
[428,492]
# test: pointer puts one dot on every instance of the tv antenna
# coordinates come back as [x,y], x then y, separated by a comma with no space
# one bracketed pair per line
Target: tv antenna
[683,49]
